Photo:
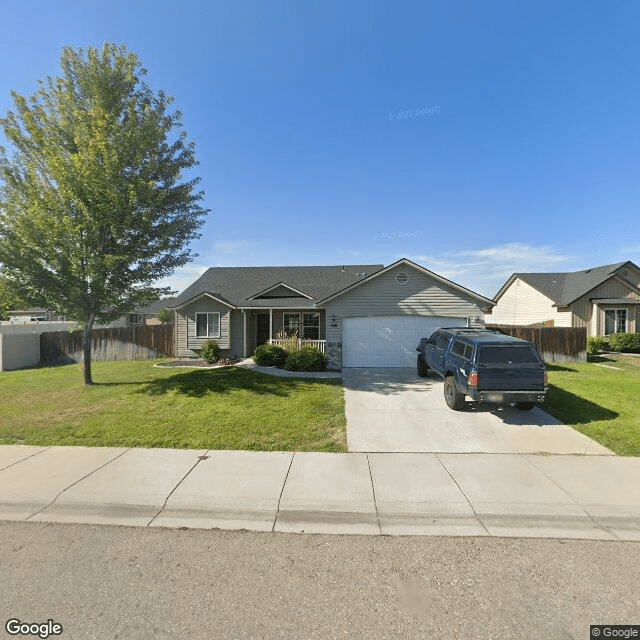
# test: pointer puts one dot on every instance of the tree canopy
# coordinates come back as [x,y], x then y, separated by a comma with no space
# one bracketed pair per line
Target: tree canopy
[94,204]
[164,315]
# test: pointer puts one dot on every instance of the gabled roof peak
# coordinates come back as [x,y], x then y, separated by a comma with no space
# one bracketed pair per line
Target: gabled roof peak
[565,287]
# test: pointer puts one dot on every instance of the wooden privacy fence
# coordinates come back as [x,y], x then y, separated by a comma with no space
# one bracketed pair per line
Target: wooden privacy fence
[120,343]
[555,344]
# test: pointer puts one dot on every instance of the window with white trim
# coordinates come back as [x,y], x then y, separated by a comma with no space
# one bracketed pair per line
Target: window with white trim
[291,324]
[208,325]
[311,326]
[615,321]
[136,318]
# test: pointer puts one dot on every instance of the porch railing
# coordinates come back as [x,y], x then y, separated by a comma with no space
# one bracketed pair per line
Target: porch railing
[320,344]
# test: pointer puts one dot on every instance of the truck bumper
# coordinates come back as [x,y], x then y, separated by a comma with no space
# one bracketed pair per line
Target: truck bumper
[506,397]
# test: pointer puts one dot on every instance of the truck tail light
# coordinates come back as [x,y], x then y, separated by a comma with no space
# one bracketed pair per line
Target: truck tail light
[472,381]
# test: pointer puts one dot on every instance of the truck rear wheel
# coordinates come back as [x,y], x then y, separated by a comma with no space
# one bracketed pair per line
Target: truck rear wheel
[423,369]
[453,397]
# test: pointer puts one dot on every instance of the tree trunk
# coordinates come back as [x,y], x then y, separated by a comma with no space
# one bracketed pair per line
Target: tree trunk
[86,349]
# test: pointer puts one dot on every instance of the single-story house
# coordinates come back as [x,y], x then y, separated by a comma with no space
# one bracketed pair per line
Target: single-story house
[603,299]
[359,315]
[143,316]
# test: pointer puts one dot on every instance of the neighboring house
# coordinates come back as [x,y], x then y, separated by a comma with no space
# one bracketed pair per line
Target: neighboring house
[360,315]
[34,314]
[604,299]
[144,316]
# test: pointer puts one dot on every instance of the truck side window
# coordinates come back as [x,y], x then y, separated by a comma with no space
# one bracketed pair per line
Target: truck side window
[432,339]
[468,352]
[442,342]
[458,348]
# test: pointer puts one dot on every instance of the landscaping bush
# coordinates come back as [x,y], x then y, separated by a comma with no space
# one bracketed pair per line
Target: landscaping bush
[164,315]
[627,342]
[210,351]
[291,340]
[270,355]
[306,359]
[595,344]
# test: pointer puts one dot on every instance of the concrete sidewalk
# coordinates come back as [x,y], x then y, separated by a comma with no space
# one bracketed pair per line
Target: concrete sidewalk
[565,496]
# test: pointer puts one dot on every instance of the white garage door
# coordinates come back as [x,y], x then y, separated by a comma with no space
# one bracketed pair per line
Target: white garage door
[388,341]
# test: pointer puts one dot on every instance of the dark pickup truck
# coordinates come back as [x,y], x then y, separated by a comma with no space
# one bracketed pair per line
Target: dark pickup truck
[484,365]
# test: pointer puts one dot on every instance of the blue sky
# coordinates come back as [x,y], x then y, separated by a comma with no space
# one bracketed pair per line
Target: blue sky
[476,138]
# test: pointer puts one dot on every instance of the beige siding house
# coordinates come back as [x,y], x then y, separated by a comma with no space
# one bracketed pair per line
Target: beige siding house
[143,316]
[359,315]
[604,299]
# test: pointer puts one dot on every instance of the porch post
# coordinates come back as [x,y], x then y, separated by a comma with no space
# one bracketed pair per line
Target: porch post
[270,324]
[244,329]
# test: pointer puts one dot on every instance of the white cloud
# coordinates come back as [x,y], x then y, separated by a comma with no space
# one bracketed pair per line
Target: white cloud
[634,250]
[486,270]
[183,277]
[230,247]
[483,270]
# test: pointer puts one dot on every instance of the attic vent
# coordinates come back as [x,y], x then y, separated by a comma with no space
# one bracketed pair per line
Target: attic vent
[402,278]
[624,273]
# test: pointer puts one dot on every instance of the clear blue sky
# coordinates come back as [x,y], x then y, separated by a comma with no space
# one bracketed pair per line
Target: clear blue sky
[476,138]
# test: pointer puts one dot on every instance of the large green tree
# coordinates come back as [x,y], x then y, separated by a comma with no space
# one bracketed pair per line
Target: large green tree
[94,204]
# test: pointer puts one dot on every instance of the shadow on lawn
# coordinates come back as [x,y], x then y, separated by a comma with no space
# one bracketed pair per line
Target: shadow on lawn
[573,409]
[559,367]
[600,359]
[199,383]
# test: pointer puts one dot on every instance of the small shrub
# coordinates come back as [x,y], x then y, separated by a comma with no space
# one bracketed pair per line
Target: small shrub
[306,359]
[210,351]
[164,315]
[291,338]
[269,355]
[627,342]
[595,344]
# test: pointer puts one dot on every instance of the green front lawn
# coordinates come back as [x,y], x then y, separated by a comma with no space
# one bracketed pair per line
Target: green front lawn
[601,402]
[133,404]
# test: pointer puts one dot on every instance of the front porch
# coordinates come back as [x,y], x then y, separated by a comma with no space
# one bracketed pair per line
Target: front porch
[319,344]
[277,326]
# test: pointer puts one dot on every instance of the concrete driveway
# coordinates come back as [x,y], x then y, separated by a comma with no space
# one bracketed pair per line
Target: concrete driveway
[394,410]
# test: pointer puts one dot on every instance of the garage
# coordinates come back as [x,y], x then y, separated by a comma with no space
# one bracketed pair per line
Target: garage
[379,320]
[388,341]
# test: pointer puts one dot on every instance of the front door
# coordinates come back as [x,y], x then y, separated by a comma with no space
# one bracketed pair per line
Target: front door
[262,329]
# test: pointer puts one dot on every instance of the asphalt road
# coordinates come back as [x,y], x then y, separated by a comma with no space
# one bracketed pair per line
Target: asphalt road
[120,582]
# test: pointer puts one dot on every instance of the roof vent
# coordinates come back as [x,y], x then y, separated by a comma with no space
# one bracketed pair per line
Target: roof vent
[402,278]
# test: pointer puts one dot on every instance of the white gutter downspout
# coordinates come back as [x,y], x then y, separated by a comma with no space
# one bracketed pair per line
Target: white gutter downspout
[270,324]
[175,324]
[244,320]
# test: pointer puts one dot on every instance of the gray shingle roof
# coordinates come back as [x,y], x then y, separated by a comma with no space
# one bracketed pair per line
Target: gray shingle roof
[564,288]
[237,284]
[154,307]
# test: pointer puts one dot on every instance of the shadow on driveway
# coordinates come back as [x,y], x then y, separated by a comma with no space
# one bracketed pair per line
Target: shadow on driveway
[568,407]
[386,382]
